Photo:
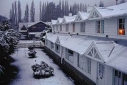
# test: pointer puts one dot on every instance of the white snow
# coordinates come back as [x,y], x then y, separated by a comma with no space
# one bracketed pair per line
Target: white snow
[59,20]
[25,75]
[69,19]
[53,22]
[113,54]
[112,11]
[84,15]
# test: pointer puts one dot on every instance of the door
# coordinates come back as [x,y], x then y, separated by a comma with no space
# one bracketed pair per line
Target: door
[61,54]
[100,74]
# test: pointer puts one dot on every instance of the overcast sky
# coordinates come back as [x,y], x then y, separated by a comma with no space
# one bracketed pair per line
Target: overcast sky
[5,5]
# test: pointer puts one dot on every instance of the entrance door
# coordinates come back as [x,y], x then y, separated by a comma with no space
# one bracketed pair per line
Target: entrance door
[100,74]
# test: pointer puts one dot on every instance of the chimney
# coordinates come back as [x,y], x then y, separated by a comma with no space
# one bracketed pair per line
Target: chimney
[70,14]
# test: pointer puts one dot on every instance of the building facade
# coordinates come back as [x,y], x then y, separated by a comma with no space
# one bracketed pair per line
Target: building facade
[92,46]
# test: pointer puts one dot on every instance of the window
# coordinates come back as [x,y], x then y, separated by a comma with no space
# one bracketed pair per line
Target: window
[124,79]
[82,26]
[101,70]
[67,27]
[53,28]
[60,27]
[89,65]
[56,27]
[57,48]
[119,78]
[81,62]
[95,15]
[94,53]
[70,55]
[100,26]
[52,45]
[121,30]
[73,27]
[78,60]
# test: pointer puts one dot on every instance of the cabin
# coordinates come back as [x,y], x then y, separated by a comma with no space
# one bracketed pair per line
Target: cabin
[32,29]
[92,46]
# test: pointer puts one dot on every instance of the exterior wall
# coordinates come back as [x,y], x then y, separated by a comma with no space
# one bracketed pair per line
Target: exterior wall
[63,28]
[70,28]
[111,28]
[90,27]
[108,75]
[77,27]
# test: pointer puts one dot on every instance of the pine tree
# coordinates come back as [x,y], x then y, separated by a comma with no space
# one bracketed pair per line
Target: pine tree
[15,8]
[13,15]
[63,8]
[32,12]
[66,8]
[26,16]
[40,11]
[19,12]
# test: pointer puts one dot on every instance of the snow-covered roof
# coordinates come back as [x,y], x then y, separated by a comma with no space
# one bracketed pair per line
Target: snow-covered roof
[59,20]
[53,22]
[113,11]
[114,54]
[105,48]
[69,19]
[83,15]
[118,58]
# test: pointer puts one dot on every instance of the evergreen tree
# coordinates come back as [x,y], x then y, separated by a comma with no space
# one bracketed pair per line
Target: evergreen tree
[15,8]
[32,12]
[43,11]
[19,12]
[66,8]
[26,16]
[13,15]
[63,9]
[40,11]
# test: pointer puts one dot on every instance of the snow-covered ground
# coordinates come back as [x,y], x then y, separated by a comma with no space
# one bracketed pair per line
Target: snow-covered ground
[25,74]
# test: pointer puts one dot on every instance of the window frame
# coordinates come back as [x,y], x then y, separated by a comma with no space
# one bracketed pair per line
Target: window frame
[82,26]
[100,26]
[121,30]
[73,27]
[67,27]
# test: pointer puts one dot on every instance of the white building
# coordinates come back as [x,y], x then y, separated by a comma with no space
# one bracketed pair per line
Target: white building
[93,46]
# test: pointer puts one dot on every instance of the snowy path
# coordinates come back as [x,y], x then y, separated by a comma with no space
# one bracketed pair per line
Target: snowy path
[25,74]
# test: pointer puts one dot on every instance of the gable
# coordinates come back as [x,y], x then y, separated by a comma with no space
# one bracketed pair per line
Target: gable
[94,53]
[64,21]
[57,40]
[78,18]
[94,14]
[23,27]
